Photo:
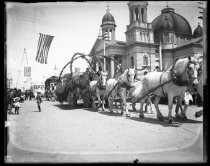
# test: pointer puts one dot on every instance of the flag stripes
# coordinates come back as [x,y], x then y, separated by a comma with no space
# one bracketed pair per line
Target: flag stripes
[43,47]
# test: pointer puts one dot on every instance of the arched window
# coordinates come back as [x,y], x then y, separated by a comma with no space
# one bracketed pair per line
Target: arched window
[145,60]
[142,14]
[166,37]
[141,37]
[132,61]
[137,13]
[131,16]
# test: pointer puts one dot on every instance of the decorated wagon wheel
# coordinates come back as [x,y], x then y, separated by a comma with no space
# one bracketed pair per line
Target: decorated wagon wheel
[91,60]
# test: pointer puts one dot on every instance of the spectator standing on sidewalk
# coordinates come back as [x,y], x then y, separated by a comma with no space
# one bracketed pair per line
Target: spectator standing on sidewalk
[16,105]
[39,100]
[10,101]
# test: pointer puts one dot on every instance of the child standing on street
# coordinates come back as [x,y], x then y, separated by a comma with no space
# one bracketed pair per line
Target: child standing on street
[16,105]
[39,101]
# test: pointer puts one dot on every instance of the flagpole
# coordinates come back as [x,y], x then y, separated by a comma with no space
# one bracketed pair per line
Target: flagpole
[160,52]
[20,66]
[104,57]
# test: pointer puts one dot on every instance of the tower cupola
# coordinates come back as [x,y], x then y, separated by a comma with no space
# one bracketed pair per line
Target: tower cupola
[108,24]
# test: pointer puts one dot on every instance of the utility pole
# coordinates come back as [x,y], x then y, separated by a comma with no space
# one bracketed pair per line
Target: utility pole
[160,53]
[105,37]
[24,53]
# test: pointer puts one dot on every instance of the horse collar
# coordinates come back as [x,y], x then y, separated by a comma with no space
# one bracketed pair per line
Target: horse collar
[125,85]
[177,79]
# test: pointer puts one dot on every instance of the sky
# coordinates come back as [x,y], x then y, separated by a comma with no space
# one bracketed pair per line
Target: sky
[75,27]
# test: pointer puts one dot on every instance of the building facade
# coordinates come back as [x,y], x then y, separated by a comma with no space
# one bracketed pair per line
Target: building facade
[159,43]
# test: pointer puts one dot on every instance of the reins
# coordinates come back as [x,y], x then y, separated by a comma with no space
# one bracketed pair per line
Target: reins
[150,91]
[112,89]
[119,82]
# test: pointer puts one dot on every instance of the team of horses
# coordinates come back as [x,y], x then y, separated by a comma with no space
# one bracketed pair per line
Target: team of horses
[170,83]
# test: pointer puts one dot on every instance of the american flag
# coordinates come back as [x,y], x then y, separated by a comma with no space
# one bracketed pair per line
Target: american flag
[43,47]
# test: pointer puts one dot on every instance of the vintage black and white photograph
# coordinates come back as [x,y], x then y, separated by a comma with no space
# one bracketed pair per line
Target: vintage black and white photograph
[105,82]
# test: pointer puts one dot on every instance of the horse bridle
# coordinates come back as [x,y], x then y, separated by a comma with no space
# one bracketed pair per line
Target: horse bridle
[177,80]
[100,86]
[199,71]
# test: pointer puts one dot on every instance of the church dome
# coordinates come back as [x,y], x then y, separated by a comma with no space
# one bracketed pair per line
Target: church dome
[108,19]
[198,32]
[171,21]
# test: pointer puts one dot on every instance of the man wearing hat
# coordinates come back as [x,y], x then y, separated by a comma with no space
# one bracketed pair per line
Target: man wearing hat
[10,101]
[16,105]
[39,100]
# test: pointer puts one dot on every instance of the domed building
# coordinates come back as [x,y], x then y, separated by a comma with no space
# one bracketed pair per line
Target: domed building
[159,43]
[198,32]
[170,27]
[174,35]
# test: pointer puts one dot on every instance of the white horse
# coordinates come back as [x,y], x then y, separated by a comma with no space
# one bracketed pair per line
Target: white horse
[98,89]
[176,79]
[199,87]
[147,100]
[120,87]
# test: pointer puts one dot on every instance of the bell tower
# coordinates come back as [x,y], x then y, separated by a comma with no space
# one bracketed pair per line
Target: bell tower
[108,24]
[138,29]
[140,38]
[138,11]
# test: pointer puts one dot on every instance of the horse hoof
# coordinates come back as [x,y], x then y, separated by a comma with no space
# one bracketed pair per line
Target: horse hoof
[178,116]
[171,121]
[184,117]
[161,118]
[141,116]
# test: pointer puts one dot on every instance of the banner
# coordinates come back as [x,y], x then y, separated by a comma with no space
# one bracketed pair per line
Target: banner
[43,47]
[27,71]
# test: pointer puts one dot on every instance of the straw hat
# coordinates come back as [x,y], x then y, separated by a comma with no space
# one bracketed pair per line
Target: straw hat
[16,98]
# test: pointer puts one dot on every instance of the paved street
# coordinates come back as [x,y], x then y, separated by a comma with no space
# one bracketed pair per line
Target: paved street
[58,134]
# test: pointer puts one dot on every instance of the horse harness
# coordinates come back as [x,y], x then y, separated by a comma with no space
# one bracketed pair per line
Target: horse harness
[120,84]
[99,84]
[175,79]
[124,85]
